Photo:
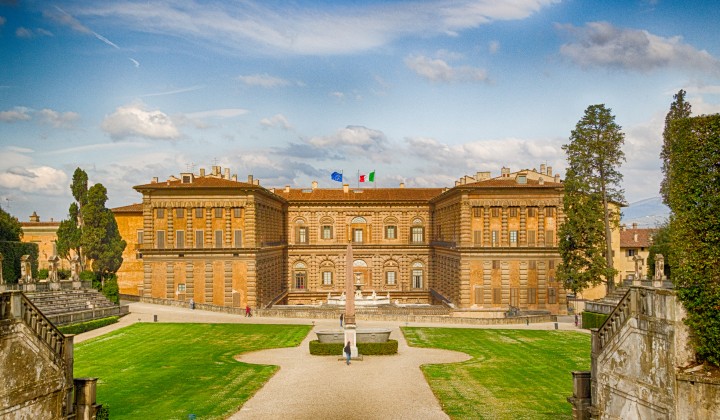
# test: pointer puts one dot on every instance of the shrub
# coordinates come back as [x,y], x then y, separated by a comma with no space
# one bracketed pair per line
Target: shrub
[43,274]
[87,275]
[369,349]
[63,274]
[82,327]
[12,252]
[103,412]
[110,290]
[593,319]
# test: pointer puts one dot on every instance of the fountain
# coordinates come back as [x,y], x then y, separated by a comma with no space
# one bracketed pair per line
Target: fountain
[360,300]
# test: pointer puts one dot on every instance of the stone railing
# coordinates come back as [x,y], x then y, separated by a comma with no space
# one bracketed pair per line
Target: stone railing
[445,301]
[15,305]
[277,299]
[80,316]
[617,319]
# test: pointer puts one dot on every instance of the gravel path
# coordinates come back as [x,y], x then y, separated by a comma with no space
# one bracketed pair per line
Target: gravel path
[324,387]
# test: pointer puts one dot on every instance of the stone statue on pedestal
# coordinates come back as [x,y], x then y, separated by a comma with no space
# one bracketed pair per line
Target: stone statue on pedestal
[659,267]
[25,270]
[2,280]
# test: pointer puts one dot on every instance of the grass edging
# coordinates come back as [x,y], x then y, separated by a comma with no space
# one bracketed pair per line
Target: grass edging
[86,326]
[366,349]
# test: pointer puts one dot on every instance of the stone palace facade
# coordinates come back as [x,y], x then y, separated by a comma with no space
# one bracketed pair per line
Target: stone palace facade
[485,244]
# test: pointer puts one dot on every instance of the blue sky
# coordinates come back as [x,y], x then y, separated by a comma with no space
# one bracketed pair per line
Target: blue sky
[422,92]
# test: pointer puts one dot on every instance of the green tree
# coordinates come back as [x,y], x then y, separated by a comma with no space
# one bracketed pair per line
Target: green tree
[69,235]
[679,108]
[661,244]
[100,238]
[592,185]
[10,229]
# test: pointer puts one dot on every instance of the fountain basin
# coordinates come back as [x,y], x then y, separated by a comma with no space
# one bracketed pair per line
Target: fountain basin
[363,335]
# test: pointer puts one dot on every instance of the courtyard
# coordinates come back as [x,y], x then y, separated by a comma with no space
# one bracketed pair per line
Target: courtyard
[183,365]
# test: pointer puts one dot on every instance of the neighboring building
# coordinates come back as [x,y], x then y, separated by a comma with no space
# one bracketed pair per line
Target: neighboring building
[45,235]
[484,245]
[634,251]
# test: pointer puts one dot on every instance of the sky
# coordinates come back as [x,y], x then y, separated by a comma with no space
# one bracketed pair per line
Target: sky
[421,92]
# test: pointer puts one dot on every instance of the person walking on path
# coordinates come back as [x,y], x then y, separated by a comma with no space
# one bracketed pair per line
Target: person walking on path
[248,312]
[347,352]
[342,317]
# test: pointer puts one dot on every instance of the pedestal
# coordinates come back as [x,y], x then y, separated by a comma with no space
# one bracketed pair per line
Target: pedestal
[54,285]
[77,285]
[351,336]
[29,287]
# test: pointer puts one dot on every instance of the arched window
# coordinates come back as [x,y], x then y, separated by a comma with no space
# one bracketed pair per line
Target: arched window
[358,220]
[417,275]
[417,231]
[390,269]
[300,275]
[326,228]
[327,272]
[301,232]
[390,228]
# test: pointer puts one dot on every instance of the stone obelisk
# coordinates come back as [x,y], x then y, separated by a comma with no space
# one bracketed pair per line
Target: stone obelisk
[350,327]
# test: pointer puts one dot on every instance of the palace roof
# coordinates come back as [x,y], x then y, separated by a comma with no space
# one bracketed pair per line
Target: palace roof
[359,194]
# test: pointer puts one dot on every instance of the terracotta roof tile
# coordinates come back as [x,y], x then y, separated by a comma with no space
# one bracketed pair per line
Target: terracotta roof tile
[365,194]
[510,182]
[642,240]
[132,208]
[206,182]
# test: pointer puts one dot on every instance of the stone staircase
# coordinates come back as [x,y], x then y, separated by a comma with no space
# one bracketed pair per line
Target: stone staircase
[68,306]
[607,304]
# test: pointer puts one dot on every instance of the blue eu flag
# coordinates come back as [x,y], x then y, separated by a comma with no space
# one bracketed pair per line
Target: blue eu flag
[336,176]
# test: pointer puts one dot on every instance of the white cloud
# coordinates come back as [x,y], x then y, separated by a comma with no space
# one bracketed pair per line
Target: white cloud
[134,120]
[355,141]
[277,120]
[35,179]
[19,113]
[218,113]
[58,119]
[437,70]
[338,95]
[22,32]
[174,91]
[493,47]
[263,80]
[322,29]
[604,45]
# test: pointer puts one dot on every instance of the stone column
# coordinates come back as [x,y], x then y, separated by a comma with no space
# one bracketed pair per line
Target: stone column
[581,400]
[85,406]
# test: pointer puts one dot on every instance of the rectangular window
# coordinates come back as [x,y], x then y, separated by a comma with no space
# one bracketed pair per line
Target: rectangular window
[549,238]
[531,237]
[302,235]
[513,296]
[417,234]
[549,211]
[199,239]
[181,288]
[531,211]
[160,239]
[327,278]
[497,296]
[218,212]
[495,238]
[237,212]
[532,295]
[218,239]
[179,239]
[478,296]
[477,211]
[495,212]
[180,213]
[391,277]
[237,236]
[477,237]
[140,234]
[391,232]
[631,252]
[417,279]
[532,264]
[513,211]
[198,212]
[327,232]
[300,280]
[513,237]
[551,264]
[495,264]
[357,236]
[160,213]
[552,298]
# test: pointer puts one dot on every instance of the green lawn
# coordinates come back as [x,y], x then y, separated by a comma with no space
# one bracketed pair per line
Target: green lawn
[167,371]
[514,374]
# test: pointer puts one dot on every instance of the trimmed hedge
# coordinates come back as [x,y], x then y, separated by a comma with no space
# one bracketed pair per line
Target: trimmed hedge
[12,252]
[367,349]
[593,319]
[82,327]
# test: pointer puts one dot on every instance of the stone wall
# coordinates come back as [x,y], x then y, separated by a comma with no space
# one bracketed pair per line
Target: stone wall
[636,355]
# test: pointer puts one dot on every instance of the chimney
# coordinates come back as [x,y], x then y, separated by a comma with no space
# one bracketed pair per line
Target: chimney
[635,236]
[250,179]
[549,171]
[216,170]
[234,177]
[34,217]
[634,225]
[154,180]
[227,173]
[287,189]
[541,181]
[542,168]
[557,178]
[483,175]
[257,182]
[505,171]
[202,172]
[402,185]
[346,188]
[314,185]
